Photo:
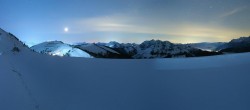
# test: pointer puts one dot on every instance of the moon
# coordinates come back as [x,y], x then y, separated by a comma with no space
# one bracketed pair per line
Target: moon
[66,29]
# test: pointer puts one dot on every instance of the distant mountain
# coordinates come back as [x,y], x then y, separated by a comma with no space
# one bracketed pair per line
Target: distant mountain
[110,44]
[58,48]
[125,50]
[11,44]
[101,51]
[236,45]
[145,50]
[207,46]
[166,49]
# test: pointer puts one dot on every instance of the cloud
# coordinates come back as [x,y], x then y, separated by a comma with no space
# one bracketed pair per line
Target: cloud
[108,23]
[188,31]
[232,12]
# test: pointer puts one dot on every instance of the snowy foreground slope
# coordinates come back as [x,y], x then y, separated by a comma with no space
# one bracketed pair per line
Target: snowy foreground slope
[30,81]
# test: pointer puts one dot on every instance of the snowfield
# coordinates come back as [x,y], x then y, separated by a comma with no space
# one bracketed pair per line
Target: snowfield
[31,81]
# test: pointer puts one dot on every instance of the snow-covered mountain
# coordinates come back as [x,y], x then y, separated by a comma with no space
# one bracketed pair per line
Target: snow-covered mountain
[127,49]
[236,45]
[58,48]
[11,44]
[207,46]
[123,50]
[166,49]
[161,49]
[100,51]
[147,49]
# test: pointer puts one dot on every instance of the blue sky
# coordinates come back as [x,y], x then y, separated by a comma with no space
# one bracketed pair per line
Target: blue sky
[180,21]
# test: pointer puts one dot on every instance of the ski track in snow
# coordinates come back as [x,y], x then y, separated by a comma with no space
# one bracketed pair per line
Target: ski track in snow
[25,85]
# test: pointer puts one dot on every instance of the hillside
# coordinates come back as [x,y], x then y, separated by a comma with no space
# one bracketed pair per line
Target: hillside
[58,48]
[10,44]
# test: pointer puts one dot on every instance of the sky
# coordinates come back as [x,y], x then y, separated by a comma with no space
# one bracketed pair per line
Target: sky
[75,21]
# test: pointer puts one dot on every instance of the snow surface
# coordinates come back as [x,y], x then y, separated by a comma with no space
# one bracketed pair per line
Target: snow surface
[30,81]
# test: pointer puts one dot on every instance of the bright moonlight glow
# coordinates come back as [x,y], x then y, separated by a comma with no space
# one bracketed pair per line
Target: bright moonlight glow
[66,29]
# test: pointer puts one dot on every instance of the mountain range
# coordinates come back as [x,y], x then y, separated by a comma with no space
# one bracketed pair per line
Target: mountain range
[145,50]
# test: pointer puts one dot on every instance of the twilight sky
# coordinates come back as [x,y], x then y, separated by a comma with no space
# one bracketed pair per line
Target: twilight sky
[71,21]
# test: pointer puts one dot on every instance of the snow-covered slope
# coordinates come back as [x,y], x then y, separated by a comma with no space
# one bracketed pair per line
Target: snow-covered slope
[10,44]
[58,48]
[31,81]
[99,51]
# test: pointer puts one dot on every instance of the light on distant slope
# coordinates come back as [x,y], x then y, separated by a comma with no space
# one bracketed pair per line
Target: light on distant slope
[57,48]
[78,53]
[56,54]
